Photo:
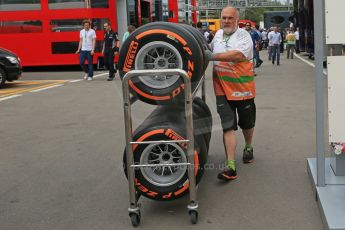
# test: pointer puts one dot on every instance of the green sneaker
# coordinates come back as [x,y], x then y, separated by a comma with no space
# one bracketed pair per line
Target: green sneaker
[248,156]
[227,174]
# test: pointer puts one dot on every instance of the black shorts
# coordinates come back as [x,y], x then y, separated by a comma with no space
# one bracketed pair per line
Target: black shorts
[246,111]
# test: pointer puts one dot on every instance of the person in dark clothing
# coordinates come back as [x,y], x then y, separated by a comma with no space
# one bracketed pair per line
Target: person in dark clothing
[199,27]
[256,40]
[211,36]
[111,46]
[282,34]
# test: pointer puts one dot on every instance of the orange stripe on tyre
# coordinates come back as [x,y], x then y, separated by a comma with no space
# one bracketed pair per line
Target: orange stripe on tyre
[146,135]
[156,98]
[184,188]
[159,31]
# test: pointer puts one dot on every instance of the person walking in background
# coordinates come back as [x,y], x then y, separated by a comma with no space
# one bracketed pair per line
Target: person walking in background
[255,38]
[111,45]
[130,30]
[257,47]
[206,33]
[297,40]
[234,87]
[86,49]
[282,35]
[291,42]
[275,39]
[270,46]
[264,39]
[202,30]
[199,27]
[211,36]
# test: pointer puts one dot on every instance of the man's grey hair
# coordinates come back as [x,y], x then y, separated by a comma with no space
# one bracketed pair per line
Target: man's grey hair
[233,8]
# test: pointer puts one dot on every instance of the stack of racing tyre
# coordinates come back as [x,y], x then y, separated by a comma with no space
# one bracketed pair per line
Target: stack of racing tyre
[163,45]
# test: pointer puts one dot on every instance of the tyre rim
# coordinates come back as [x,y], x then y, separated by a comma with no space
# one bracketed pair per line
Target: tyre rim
[1,77]
[158,55]
[163,176]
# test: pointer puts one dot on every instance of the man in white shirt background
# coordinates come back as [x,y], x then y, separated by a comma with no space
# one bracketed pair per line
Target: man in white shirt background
[264,39]
[269,48]
[86,49]
[275,40]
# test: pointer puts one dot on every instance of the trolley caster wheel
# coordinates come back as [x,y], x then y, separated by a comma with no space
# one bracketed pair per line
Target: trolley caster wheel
[193,216]
[135,219]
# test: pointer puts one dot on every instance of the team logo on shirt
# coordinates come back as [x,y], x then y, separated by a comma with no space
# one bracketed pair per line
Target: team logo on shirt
[242,94]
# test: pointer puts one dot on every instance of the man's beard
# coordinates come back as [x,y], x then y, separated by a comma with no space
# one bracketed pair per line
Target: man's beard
[229,30]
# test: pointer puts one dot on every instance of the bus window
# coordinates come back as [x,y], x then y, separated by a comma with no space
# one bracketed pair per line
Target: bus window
[12,27]
[67,25]
[73,4]
[8,5]
[71,47]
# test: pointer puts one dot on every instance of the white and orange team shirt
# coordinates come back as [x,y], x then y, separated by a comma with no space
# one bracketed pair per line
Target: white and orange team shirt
[234,80]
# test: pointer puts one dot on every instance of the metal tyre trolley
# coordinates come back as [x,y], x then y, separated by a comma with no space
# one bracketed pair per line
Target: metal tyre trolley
[134,206]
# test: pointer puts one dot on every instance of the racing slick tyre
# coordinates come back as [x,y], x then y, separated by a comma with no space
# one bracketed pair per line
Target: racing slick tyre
[166,182]
[201,40]
[206,112]
[161,45]
[202,120]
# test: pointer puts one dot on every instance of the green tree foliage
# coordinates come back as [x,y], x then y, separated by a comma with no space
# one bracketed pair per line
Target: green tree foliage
[255,14]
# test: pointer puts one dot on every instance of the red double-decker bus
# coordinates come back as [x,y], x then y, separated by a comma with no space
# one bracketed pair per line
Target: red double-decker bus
[178,11]
[46,32]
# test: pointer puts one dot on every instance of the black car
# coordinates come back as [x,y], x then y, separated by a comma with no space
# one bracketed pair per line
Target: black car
[10,67]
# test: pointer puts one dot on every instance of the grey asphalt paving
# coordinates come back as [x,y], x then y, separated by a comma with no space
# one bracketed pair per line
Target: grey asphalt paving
[61,160]
[54,73]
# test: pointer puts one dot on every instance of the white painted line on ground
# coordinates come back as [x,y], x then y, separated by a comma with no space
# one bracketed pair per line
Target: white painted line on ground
[309,63]
[45,88]
[305,61]
[10,97]
[95,76]
[99,75]
[72,81]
